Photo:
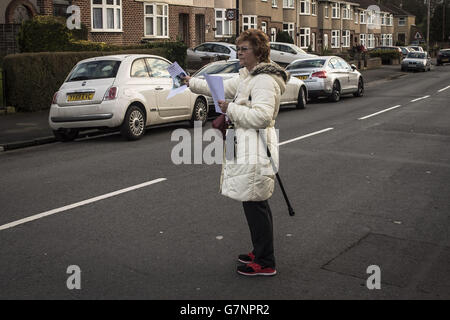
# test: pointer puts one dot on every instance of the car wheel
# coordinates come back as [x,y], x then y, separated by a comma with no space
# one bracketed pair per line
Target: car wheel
[133,126]
[301,101]
[360,91]
[200,112]
[66,135]
[336,93]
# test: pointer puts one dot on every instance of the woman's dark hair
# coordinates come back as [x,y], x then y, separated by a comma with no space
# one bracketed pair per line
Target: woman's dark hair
[259,41]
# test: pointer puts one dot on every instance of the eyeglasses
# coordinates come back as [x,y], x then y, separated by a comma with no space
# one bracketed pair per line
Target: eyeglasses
[243,49]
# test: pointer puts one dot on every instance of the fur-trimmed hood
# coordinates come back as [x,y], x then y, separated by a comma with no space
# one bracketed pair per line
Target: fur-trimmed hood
[273,69]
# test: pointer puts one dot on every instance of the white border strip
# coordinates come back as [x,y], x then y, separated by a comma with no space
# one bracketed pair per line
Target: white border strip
[418,99]
[377,113]
[305,136]
[443,89]
[78,204]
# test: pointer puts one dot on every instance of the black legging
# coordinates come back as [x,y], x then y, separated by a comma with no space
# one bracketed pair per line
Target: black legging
[259,218]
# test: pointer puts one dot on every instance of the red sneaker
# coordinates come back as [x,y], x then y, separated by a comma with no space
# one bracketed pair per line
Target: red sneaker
[246,258]
[254,269]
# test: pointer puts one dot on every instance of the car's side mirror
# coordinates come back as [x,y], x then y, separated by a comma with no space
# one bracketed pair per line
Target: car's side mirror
[353,67]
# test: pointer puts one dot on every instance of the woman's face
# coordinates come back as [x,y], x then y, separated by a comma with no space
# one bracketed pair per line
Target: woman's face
[246,55]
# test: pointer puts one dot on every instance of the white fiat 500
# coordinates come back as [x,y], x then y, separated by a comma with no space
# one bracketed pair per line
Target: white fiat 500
[126,92]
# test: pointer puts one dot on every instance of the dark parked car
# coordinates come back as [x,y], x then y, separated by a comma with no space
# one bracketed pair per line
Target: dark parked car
[443,57]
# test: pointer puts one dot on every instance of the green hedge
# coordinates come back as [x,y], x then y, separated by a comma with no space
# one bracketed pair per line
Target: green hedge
[386,55]
[33,78]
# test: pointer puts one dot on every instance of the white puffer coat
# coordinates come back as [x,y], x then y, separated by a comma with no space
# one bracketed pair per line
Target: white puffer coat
[249,176]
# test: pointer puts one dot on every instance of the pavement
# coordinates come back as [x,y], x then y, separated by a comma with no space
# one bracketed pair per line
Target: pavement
[19,130]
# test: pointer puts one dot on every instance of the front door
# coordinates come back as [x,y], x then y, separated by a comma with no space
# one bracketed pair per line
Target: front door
[183,29]
[200,28]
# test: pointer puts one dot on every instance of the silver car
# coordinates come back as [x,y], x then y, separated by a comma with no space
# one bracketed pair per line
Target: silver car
[417,61]
[285,53]
[296,92]
[207,51]
[328,76]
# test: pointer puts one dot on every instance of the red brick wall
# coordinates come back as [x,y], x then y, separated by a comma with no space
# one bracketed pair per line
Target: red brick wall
[45,7]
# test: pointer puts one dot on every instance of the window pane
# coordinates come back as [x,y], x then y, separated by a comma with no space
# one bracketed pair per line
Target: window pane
[95,70]
[149,9]
[166,26]
[97,2]
[149,26]
[118,19]
[165,10]
[158,68]
[110,2]
[219,28]
[159,9]
[118,2]
[218,14]
[98,18]
[159,26]
[139,69]
[110,18]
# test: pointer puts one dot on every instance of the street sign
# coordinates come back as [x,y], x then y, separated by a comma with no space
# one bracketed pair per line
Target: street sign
[230,14]
[418,36]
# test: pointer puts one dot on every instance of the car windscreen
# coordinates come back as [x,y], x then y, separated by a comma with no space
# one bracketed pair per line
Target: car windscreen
[100,69]
[416,55]
[304,64]
[220,68]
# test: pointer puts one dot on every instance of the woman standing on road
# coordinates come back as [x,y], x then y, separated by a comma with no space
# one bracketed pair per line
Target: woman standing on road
[256,102]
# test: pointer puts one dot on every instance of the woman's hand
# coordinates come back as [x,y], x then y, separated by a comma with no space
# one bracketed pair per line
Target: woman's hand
[223,105]
[186,80]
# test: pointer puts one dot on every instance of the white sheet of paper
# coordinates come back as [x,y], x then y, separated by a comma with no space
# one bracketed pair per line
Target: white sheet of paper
[176,72]
[215,84]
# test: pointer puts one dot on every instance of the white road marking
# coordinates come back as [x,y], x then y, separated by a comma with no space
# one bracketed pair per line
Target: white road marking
[418,99]
[443,89]
[377,113]
[305,136]
[78,204]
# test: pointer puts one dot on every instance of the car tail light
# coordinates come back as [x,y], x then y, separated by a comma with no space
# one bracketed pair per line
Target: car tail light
[111,94]
[55,96]
[320,74]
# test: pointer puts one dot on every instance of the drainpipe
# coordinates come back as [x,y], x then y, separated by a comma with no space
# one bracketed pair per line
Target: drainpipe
[237,19]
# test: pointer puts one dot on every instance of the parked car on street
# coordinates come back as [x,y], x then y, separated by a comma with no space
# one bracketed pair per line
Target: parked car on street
[416,48]
[285,53]
[417,61]
[296,92]
[328,76]
[126,92]
[443,57]
[207,51]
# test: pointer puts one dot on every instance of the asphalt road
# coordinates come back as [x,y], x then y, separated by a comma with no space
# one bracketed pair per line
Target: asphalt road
[372,191]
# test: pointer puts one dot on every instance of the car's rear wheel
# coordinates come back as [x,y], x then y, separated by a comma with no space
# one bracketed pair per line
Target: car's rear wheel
[200,112]
[360,91]
[66,135]
[301,102]
[133,126]
[336,93]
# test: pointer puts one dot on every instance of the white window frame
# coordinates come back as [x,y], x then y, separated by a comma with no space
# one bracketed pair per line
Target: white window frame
[155,16]
[313,41]
[346,39]
[400,20]
[223,20]
[288,4]
[326,12]
[346,12]
[249,24]
[116,9]
[335,10]
[274,3]
[306,7]
[363,39]
[314,7]
[356,16]
[391,20]
[325,40]
[264,27]
[335,38]
[362,17]
[304,38]
[390,39]
[371,41]
[273,34]
[290,28]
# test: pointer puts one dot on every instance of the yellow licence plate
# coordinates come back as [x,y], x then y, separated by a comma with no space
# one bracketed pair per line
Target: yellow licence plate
[302,77]
[80,96]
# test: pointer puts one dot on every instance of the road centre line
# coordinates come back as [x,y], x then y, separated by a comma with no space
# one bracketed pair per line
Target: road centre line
[78,204]
[305,136]
[418,99]
[377,113]
[443,89]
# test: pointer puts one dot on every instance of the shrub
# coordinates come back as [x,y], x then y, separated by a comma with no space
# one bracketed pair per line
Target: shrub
[284,36]
[387,56]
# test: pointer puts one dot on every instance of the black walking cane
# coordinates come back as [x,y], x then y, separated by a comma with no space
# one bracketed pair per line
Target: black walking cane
[291,211]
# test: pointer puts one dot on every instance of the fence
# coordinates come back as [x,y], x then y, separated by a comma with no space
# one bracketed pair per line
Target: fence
[8,39]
